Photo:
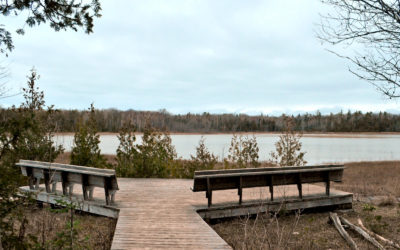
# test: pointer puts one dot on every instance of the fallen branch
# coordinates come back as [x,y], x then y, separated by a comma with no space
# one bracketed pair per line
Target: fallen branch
[342,232]
[362,233]
[389,242]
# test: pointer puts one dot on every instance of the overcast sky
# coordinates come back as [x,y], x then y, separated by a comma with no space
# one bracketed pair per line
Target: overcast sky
[192,56]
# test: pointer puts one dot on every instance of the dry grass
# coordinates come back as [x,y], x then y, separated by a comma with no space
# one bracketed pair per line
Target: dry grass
[371,178]
[309,231]
[96,232]
[312,231]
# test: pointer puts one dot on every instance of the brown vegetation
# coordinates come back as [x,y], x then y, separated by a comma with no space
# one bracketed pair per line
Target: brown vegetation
[311,230]
[307,231]
[381,178]
[44,223]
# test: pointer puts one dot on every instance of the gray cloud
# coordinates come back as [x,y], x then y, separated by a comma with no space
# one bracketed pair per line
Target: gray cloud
[193,56]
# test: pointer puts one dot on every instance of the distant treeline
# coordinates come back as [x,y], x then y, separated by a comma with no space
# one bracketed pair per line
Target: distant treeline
[112,120]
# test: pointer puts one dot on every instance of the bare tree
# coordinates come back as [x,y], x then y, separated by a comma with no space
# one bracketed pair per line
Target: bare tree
[5,91]
[373,26]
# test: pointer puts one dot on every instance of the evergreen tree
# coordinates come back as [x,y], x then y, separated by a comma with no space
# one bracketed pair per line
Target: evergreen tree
[86,151]
[243,152]
[204,159]
[26,134]
[288,148]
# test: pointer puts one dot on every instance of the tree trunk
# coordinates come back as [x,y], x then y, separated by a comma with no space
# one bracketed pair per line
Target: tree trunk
[389,242]
[342,232]
[362,233]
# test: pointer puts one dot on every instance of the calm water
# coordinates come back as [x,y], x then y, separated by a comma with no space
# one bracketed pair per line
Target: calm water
[319,148]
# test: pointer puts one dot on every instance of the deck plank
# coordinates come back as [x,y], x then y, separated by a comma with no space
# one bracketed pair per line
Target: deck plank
[158,213]
[166,214]
[162,213]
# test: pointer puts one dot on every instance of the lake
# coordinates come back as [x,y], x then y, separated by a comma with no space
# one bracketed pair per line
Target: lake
[320,148]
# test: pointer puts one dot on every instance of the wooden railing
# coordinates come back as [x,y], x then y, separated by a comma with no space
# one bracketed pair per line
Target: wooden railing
[69,175]
[211,180]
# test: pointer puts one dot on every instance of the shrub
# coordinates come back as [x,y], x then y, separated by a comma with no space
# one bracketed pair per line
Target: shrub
[203,160]
[25,134]
[155,154]
[243,152]
[288,148]
[86,151]
[127,152]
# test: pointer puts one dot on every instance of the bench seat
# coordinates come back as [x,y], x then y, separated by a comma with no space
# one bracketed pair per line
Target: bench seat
[211,180]
[69,175]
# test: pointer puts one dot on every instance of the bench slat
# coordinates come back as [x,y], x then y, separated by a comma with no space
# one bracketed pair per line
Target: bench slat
[69,175]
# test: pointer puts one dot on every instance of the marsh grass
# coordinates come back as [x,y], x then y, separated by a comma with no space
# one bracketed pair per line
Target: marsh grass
[44,223]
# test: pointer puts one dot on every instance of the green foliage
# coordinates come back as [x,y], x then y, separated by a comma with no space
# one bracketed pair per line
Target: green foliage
[127,153]
[243,152]
[368,207]
[153,158]
[60,14]
[68,238]
[156,154]
[86,151]
[26,134]
[203,160]
[288,148]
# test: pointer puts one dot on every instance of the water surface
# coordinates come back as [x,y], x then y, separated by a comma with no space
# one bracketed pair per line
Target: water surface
[320,148]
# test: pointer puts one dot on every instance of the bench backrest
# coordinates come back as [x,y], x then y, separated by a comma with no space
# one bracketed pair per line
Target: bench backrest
[73,173]
[259,177]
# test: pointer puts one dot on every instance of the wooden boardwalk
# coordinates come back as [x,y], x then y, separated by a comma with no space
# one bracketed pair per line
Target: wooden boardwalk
[165,213]
[161,213]
[157,213]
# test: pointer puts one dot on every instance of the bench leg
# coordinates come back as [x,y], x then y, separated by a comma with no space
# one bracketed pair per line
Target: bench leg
[85,184]
[91,193]
[209,192]
[107,196]
[327,183]
[37,183]
[113,196]
[47,180]
[31,179]
[240,190]
[300,188]
[71,189]
[85,192]
[271,187]
[64,182]
[327,187]
[271,191]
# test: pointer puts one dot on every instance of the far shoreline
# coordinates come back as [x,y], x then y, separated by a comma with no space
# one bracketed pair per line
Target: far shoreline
[305,134]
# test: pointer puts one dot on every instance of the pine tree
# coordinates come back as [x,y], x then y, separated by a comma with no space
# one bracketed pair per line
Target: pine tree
[86,150]
[288,148]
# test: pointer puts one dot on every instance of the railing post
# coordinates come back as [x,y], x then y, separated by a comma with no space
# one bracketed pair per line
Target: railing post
[64,182]
[107,187]
[240,190]
[271,186]
[327,183]
[85,184]
[46,175]
[299,186]
[31,179]
[209,192]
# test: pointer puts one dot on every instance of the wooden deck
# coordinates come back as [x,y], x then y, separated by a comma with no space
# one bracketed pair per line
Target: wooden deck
[165,213]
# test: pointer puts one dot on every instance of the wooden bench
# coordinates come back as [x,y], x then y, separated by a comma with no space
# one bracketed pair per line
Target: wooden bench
[211,180]
[69,175]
